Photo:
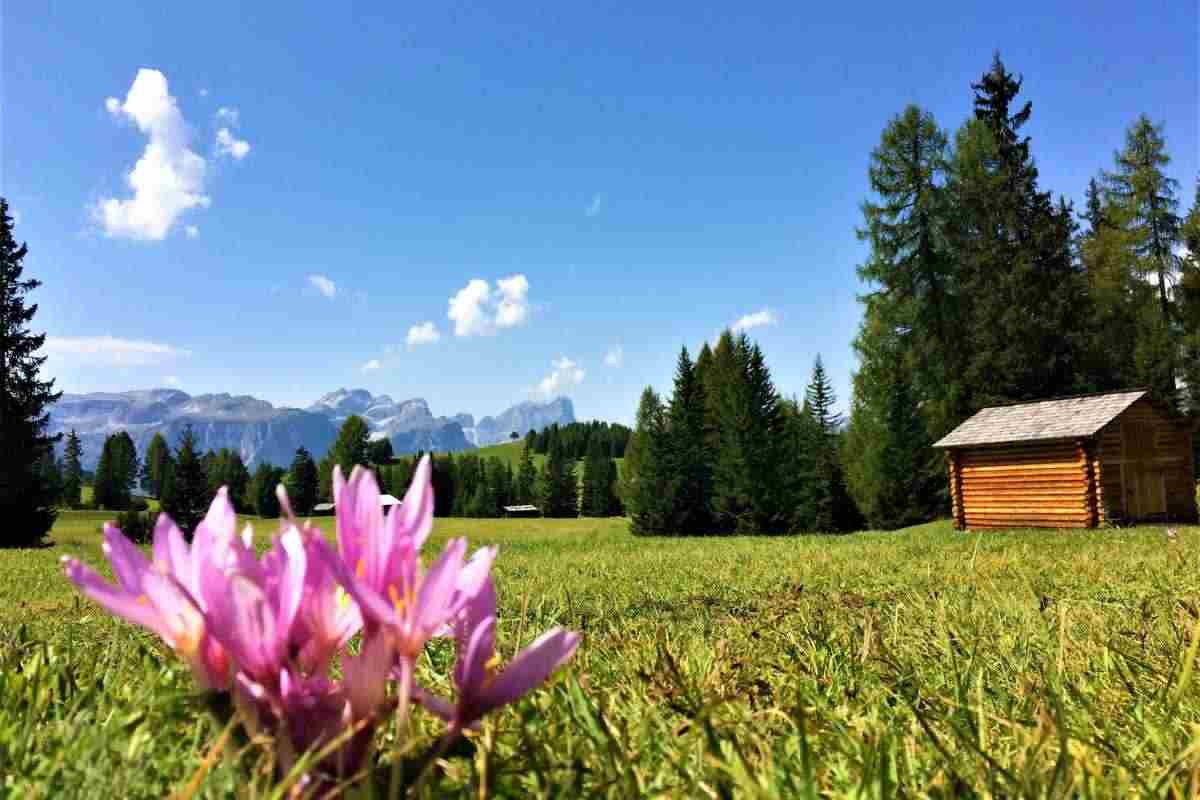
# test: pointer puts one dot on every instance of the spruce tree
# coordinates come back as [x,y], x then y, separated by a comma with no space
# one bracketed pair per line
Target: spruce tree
[558,485]
[379,451]
[302,482]
[350,447]
[526,476]
[650,490]
[1025,307]
[689,455]
[26,501]
[188,497]
[51,474]
[727,398]
[72,491]
[828,507]
[154,464]
[261,490]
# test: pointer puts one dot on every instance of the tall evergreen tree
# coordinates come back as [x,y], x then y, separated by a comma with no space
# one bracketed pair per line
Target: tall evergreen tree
[1144,200]
[826,508]
[52,476]
[728,402]
[649,491]
[154,464]
[261,490]
[27,504]
[115,474]
[558,490]
[103,492]
[350,447]
[303,482]
[379,451]
[187,498]
[1024,299]
[72,491]
[526,487]
[689,455]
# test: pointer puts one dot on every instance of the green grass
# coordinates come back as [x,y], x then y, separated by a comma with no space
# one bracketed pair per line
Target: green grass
[916,663]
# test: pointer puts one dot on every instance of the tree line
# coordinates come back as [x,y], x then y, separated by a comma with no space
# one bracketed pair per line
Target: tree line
[579,439]
[727,453]
[984,288]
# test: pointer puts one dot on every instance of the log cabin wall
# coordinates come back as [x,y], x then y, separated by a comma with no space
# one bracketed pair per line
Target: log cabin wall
[1146,460]
[1031,484]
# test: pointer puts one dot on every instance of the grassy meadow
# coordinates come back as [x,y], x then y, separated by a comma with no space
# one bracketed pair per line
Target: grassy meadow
[922,662]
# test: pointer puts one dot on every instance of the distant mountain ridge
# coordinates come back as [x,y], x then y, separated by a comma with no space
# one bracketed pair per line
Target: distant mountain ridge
[260,431]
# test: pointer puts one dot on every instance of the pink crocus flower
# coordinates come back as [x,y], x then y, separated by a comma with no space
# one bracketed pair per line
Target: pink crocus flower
[482,687]
[168,595]
[380,564]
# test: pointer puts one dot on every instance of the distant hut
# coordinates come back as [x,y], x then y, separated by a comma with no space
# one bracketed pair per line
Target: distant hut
[385,501]
[1074,462]
[521,511]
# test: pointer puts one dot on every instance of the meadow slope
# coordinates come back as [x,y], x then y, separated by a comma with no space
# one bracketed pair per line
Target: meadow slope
[917,662]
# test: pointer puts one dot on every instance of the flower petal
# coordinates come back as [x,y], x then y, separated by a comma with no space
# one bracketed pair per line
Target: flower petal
[128,563]
[416,510]
[134,608]
[533,665]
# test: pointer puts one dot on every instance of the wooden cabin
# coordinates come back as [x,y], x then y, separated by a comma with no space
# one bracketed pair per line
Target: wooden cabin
[1074,462]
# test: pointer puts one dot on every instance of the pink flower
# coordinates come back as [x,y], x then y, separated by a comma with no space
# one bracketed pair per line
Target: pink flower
[380,564]
[482,688]
[168,595]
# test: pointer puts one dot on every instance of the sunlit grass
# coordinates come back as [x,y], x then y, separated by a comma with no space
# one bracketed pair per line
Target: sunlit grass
[918,662]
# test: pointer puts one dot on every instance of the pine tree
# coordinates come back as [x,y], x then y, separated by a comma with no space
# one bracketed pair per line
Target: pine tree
[559,487]
[325,477]
[262,492]
[302,482]
[649,491]
[827,508]
[727,398]
[52,478]
[1146,207]
[1188,293]
[350,448]
[154,464]
[103,492]
[72,491]
[1025,307]
[526,476]
[188,497]
[379,451]
[26,502]
[689,455]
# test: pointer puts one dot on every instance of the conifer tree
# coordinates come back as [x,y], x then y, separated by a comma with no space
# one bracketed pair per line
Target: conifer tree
[325,477]
[52,477]
[649,494]
[379,451]
[727,398]
[102,477]
[72,491]
[1026,309]
[187,498]
[826,508]
[526,476]
[689,456]
[262,488]
[350,447]
[558,486]
[26,501]
[1146,210]
[302,482]
[154,464]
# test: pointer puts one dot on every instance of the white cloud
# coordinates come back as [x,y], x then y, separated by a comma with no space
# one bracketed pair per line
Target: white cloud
[230,145]
[171,380]
[109,351]
[192,231]
[615,357]
[756,320]
[228,115]
[566,373]
[477,310]
[169,177]
[595,206]
[371,365]
[513,296]
[323,285]
[425,333]
[204,92]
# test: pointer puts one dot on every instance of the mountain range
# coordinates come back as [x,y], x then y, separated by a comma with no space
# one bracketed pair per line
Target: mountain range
[261,432]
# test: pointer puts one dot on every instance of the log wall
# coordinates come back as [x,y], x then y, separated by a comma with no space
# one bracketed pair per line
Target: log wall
[1146,460]
[1031,484]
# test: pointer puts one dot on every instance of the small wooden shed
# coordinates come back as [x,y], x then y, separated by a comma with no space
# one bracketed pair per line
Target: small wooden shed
[1072,462]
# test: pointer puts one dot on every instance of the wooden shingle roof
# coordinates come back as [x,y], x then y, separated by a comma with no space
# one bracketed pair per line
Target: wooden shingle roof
[1068,418]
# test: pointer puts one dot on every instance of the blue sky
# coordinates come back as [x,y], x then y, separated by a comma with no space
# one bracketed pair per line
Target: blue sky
[653,175]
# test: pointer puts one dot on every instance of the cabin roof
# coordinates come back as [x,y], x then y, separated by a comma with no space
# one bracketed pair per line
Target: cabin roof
[1039,420]
[521,508]
[385,500]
